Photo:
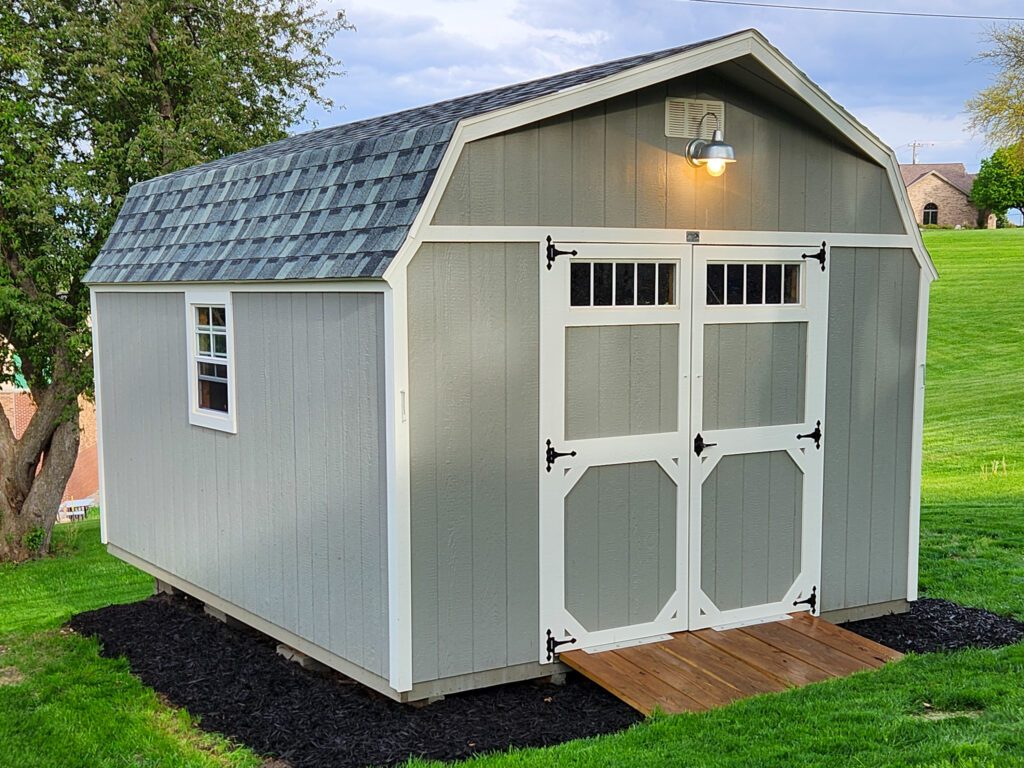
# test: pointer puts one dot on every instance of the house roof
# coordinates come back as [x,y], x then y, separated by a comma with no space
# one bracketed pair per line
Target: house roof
[331,203]
[954,173]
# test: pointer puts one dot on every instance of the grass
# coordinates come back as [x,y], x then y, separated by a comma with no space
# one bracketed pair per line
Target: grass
[62,705]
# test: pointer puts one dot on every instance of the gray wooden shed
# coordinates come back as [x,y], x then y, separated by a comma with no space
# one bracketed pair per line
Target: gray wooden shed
[418,394]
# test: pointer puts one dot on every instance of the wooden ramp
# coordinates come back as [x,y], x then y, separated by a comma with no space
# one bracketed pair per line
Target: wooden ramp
[694,671]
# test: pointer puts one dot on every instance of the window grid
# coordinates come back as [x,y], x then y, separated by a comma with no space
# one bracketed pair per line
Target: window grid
[211,357]
[754,283]
[622,283]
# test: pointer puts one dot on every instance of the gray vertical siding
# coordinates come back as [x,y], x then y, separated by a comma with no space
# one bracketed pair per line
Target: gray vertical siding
[751,513]
[621,380]
[754,374]
[286,519]
[620,537]
[611,165]
[474,445]
[872,338]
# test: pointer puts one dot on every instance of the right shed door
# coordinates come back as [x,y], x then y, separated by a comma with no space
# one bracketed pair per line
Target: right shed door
[758,431]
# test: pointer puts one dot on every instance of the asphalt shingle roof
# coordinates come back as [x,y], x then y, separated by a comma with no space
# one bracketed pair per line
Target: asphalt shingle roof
[954,173]
[327,204]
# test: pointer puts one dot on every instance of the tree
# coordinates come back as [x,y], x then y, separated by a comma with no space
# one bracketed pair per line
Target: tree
[96,95]
[998,111]
[999,184]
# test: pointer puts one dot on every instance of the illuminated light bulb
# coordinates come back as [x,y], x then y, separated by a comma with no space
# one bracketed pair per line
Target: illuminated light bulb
[715,166]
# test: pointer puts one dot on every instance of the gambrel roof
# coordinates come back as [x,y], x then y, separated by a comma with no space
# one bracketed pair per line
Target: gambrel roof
[331,203]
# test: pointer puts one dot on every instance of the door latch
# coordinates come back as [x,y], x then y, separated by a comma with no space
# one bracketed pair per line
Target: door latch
[699,445]
[815,436]
[552,455]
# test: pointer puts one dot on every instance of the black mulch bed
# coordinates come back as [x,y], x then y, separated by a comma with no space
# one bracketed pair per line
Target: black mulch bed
[939,625]
[238,685]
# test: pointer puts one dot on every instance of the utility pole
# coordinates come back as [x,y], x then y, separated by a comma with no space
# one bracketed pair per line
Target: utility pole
[915,145]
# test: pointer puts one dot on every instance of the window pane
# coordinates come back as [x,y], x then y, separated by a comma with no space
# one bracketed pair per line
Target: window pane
[579,284]
[773,284]
[666,284]
[218,316]
[755,276]
[734,284]
[205,344]
[716,284]
[624,284]
[202,315]
[791,294]
[602,285]
[645,284]
[220,345]
[213,395]
[213,371]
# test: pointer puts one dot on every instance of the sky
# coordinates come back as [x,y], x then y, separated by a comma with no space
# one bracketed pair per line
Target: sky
[905,78]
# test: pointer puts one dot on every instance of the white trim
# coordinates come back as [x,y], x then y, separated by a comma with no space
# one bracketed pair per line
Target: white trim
[200,417]
[97,388]
[612,235]
[400,630]
[259,286]
[917,442]
[749,42]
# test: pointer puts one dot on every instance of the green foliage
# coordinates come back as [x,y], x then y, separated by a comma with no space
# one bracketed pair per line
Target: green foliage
[34,538]
[999,184]
[998,111]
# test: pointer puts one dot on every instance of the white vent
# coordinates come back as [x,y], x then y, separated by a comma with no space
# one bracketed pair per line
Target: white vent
[683,116]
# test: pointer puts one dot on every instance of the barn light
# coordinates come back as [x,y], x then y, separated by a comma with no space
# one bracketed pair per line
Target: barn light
[713,155]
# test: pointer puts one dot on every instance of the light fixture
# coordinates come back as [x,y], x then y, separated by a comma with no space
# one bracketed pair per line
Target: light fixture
[713,155]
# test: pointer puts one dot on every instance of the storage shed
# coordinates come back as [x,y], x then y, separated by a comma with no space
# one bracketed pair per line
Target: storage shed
[424,395]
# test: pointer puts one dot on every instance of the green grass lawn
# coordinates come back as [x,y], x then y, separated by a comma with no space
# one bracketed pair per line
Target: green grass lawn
[62,705]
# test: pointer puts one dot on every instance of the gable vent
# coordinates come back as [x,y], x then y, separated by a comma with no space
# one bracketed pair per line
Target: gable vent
[682,118]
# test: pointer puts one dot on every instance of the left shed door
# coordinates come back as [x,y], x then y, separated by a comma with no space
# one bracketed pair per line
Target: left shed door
[614,389]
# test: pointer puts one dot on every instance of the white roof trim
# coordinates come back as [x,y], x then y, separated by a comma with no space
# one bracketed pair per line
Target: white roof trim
[748,42]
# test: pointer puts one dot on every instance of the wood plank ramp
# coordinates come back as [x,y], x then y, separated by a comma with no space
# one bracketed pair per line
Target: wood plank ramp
[695,671]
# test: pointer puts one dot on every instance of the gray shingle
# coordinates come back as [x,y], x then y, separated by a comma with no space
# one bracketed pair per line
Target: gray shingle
[358,187]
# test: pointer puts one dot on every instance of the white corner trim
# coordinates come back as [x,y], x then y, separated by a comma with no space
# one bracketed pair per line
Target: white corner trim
[917,444]
[396,364]
[97,402]
[199,417]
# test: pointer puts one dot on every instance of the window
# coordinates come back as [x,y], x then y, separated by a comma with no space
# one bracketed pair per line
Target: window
[622,283]
[753,284]
[211,360]
[931,214]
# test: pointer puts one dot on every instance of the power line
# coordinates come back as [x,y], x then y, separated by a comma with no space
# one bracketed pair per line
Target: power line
[868,11]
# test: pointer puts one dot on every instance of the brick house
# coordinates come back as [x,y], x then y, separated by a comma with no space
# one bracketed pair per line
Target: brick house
[940,194]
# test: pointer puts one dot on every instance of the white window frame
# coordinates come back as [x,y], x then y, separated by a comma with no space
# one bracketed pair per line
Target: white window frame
[202,417]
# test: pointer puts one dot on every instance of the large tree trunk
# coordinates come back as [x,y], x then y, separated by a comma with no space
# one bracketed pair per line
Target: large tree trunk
[35,470]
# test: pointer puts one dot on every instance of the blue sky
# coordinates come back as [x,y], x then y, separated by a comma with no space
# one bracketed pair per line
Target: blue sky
[905,78]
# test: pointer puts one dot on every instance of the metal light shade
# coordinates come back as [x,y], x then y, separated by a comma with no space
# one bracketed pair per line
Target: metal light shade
[714,155]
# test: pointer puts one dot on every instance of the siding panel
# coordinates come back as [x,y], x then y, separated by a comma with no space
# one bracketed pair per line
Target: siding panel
[216,514]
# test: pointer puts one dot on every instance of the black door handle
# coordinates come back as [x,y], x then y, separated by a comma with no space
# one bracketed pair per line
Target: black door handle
[815,436]
[699,445]
[552,455]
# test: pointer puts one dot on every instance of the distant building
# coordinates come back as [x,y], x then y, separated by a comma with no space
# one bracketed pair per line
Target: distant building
[940,193]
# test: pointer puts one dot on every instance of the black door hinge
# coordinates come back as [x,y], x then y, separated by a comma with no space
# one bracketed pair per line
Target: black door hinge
[820,256]
[699,445]
[816,436]
[552,645]
[554,252]
[811,601]
[552,455]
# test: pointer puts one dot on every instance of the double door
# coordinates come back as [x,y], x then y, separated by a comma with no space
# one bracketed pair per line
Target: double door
[680,477]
